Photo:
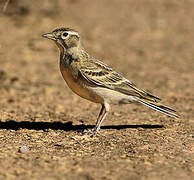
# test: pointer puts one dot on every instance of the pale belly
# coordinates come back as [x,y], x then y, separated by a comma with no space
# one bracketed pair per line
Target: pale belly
[113,97]
[78,87]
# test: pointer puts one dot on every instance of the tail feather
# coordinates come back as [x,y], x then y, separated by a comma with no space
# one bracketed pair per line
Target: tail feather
[159,107]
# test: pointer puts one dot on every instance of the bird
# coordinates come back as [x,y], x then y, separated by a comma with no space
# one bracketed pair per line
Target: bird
[95,81]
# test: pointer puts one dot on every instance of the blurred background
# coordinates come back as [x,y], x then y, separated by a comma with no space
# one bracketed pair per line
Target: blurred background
[150,42]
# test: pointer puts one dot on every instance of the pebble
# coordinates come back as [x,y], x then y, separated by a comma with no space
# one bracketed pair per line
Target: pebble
[23,149]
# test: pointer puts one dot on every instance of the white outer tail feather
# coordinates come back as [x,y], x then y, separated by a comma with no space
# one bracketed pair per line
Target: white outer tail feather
[161,108]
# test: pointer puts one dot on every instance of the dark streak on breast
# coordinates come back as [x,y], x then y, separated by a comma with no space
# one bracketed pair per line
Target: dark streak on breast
[68,59]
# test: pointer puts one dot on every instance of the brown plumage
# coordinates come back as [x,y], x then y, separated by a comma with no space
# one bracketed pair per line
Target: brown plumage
[96,81]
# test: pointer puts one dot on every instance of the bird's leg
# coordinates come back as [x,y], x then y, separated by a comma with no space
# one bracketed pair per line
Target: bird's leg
[103,112]
[100,119]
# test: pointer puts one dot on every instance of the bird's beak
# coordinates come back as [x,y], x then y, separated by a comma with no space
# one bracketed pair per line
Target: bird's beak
[49,36]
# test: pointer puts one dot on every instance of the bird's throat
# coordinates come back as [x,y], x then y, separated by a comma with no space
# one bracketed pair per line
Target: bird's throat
[61,48]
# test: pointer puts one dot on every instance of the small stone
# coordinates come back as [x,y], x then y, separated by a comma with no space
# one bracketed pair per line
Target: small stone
[23,149]
[123,156]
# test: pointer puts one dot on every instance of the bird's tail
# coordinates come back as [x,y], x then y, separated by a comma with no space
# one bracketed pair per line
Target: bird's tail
[159,107]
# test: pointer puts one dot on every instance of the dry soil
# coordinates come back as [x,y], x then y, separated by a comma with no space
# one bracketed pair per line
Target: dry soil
[150,42]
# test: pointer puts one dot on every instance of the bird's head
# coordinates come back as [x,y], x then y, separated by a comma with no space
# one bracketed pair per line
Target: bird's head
[64,38]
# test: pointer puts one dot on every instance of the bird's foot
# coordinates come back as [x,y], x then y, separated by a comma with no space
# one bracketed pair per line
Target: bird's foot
[92,132]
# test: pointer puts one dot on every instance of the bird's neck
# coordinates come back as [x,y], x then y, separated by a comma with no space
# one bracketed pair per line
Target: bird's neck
[70,55]
[74,52]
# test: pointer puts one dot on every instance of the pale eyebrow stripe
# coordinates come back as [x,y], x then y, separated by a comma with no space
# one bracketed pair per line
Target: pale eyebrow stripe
[72,33]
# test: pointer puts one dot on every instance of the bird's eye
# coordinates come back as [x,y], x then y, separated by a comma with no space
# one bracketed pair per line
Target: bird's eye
[65,34]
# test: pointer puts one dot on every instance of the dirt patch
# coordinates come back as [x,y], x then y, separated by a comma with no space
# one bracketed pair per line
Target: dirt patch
[149,42]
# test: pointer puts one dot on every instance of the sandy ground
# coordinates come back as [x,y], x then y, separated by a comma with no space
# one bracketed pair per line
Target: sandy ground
[150,42]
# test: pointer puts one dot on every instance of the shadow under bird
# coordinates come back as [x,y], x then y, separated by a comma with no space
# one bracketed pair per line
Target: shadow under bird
[95,81]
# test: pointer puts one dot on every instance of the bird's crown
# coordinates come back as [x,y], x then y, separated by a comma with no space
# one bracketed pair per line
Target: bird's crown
[65,32]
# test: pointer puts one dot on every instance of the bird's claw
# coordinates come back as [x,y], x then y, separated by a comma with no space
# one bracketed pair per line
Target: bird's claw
[92,132]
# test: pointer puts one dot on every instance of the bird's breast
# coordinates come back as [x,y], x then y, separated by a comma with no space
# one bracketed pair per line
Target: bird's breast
[77,85]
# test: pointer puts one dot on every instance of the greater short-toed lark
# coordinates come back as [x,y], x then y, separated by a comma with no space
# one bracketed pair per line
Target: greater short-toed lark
[96,81]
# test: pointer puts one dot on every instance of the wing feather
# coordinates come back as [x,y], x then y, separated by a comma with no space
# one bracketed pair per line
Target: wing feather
[100,74]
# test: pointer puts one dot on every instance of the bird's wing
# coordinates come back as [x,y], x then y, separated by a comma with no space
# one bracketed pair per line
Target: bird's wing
[99,74]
